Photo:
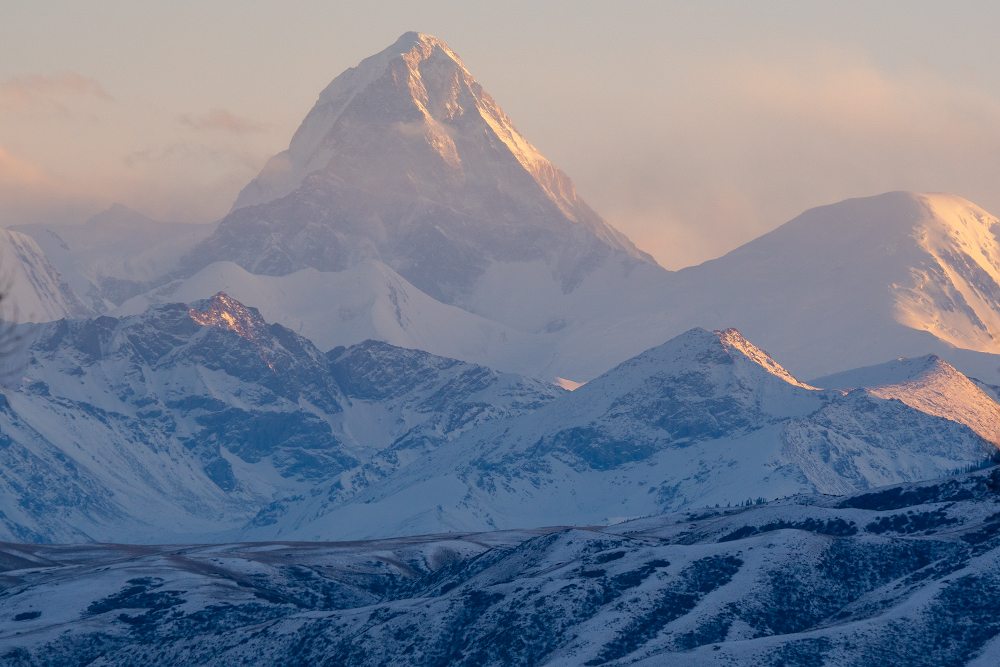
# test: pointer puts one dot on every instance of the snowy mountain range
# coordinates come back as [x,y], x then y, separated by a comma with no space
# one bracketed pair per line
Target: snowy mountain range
[409,214]
[190,421]
[410,323]
[704,419]
[204,422]
[905,575]
[407,178]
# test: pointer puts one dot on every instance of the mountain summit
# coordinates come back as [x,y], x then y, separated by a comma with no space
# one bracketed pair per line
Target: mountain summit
[406,159]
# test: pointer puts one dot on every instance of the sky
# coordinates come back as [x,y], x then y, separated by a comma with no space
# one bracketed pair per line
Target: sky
[693,127]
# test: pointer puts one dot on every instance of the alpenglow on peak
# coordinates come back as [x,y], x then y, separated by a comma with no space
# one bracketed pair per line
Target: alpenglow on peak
[406,159]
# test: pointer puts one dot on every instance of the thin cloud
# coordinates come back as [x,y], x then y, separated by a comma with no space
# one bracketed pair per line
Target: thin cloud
[15,172]
[28,194]
[188,157]
[222,120]
[34,91]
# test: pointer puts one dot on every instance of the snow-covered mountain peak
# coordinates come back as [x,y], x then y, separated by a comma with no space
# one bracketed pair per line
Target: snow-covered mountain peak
[435,95]
[407,160]
[704,418]
[930,385]
[719,352]
[857,282]
[224,311]
[728,378]
[937,254]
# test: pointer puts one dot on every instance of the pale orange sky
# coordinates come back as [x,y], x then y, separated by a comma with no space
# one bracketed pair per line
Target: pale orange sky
[693,127]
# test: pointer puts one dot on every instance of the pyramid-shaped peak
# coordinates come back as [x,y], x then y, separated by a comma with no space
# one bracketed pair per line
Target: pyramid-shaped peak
[700,350]
[421,45]
[405,158]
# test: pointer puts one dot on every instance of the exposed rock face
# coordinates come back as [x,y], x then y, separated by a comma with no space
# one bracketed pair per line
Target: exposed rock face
[407,159]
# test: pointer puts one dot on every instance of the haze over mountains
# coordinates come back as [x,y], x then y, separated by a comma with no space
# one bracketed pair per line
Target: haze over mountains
[379,341]
[409,210]
[407,167]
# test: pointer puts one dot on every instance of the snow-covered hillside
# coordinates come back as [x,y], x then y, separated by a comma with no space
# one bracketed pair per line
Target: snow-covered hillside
[902,576]
[853,283]
[705,418]
[929,385]
[406,159]
[841,286]
[32,288]
[197,421]
[205,422]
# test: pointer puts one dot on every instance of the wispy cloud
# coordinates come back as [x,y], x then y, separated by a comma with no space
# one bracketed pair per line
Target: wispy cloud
[222,120]
[37,91]
[15,172]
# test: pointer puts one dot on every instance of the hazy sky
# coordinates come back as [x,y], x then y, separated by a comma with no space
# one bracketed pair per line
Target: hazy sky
[692,126]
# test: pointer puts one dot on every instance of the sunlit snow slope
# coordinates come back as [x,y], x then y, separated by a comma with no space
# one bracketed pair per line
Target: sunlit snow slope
[840,286]
[929,385]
